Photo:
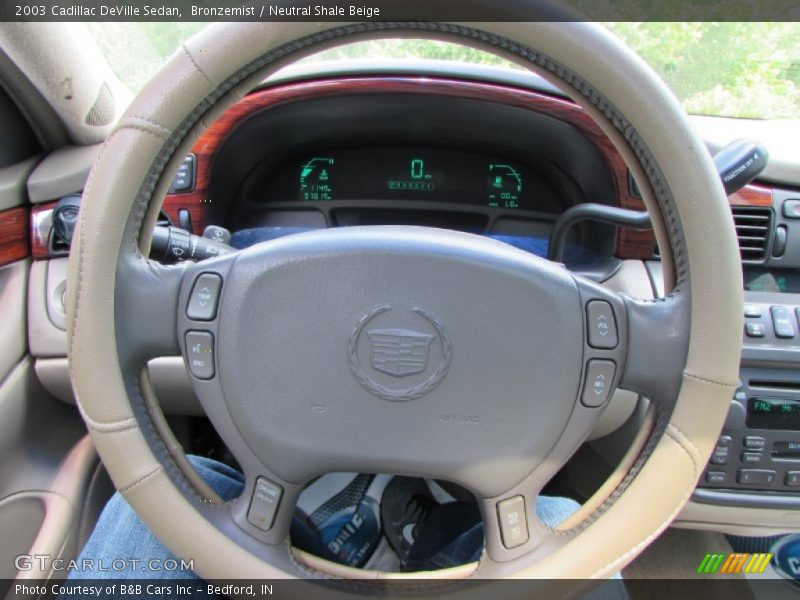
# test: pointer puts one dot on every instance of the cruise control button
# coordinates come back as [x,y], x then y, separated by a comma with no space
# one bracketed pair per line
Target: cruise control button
[204,297]
[597,384]
[755,330]
[601,325]
[756,476]
[264,505]
[200,353]
[513,521]
[782,322]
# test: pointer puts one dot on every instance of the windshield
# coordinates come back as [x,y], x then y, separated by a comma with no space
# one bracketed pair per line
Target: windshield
[747,70]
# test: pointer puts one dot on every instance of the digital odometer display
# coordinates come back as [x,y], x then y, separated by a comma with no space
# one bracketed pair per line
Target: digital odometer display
[773,413]
[429,174]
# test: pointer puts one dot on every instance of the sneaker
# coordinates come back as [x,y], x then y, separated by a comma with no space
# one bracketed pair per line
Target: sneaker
[338,518]
[405,505]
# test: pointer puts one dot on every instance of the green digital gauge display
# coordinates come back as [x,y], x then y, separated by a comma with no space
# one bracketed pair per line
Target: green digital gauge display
[416,179]
[315,179]
[773,413]
[415,173]
[504,186]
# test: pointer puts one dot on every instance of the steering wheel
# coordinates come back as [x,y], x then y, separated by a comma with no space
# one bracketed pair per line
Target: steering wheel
[403,350]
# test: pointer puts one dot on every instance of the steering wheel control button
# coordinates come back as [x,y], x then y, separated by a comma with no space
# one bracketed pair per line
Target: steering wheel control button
[204,298]
[755,477]
[264,505]
[601,324]
[715,477]
[200,353]
[782,322]
[513,521]
[755,330]
[597,384]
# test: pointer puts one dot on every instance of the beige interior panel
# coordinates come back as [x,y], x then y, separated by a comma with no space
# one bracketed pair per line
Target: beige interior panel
[44,338]
[63,172]
[58,535]
[13,334]
[168,374]
[12,183]
[738,521]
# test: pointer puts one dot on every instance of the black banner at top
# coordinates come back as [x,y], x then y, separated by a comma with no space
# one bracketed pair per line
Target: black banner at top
[400,10]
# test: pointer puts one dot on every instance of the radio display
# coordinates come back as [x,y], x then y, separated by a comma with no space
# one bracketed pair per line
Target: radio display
[776,281]
[773,413]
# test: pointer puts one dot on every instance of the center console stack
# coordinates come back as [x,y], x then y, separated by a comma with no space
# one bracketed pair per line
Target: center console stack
[756,462]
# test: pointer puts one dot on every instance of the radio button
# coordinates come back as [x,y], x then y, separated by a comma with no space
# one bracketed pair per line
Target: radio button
[755,330]
[722,451]
[792,479]
[601,324]
[751,311]
[736,416]
[751,457]
[755,477]
[782,322]
[597,384]
[753,442]
[715,477]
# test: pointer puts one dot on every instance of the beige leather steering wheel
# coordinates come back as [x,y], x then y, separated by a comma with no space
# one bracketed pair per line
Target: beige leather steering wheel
[682,352]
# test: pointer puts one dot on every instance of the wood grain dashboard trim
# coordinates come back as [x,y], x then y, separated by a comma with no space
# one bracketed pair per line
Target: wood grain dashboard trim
[632,244]
[564,110]
[14,240]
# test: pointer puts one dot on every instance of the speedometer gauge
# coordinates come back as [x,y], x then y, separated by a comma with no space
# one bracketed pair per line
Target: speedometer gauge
[315,179]
[504,185]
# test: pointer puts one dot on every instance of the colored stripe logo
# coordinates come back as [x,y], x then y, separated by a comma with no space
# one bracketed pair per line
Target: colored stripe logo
[735,562]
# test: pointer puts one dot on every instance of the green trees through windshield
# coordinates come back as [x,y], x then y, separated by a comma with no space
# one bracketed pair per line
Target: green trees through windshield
[747,70]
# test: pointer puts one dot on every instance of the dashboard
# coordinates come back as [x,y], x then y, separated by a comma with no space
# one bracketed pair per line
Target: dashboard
[475,157]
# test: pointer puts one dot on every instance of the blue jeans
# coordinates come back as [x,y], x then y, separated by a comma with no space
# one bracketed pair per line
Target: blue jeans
[120,533]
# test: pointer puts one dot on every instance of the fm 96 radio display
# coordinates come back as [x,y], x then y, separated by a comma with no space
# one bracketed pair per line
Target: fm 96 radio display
[773,413]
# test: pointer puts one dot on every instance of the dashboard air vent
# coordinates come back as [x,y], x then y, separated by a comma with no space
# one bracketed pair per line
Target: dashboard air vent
[753,226]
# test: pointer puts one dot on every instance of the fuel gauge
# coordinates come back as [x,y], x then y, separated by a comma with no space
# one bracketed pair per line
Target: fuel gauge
[315,179]
[504,186]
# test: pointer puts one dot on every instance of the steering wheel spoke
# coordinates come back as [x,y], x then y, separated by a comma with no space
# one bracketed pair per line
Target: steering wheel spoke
[657,347]
[146,301]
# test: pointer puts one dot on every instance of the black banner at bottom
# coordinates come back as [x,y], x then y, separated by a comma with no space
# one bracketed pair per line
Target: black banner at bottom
[706,588]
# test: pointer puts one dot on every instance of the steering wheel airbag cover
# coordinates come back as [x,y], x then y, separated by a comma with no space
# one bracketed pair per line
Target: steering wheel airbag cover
[496,332]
